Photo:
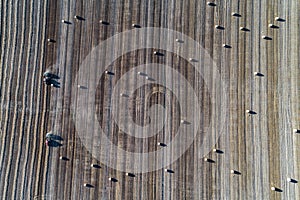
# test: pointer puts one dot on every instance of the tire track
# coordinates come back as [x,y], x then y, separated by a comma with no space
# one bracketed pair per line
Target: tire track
[50,58]
[5,98]
[295,82]
[10,161]
[260,101]
[26,160]
[40,116]
[3,31]
[24,103]
[75,179]
[287,105]
[97,30]
[2,53]
[65,94]
[42,93]
[56,102]
[28,62]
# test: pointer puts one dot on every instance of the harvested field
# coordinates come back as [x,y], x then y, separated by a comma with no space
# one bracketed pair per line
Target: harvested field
[261,147]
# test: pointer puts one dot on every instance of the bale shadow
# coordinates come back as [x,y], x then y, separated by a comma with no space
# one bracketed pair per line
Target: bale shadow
[51,75]
[259,74]
[220,27]
[53,143]
[150,79]
[56,137]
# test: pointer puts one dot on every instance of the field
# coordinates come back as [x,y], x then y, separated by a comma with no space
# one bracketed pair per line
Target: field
[261,147]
